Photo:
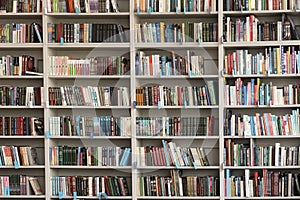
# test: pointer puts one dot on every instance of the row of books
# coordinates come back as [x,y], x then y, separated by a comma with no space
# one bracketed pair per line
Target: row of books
[251,29]
[100,65]
[176,96]
[10,126]
[175,126]
[83,6]
[17,65]
[21,96]
[21,6]
[262,184]
[265,124]
[175,6]
[160,32]
[89,96]
[85,33]
[256,93]
[259,5]
[275,60]
[89,126]
[21,33]
[18,184]
[178,185]
[161,65]
[18,156]
[89,186]
[90,156]
[240,154]
[172,155]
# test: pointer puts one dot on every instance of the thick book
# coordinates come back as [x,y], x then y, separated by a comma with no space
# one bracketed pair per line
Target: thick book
[36,187]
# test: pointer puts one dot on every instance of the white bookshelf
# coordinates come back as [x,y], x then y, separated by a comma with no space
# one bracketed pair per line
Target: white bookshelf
[214,53]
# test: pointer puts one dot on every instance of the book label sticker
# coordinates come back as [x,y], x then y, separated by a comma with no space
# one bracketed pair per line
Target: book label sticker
[92,135]
[62,41]
[74,195]
[134,104]
[102,194]
[159,104]
[138,10]
[195,166]
[60,195]
[77,10]
[16,164]
[48,134]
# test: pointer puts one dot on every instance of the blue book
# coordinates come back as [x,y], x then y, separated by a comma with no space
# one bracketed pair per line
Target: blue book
[125,157]
[157,24]
[253,133]
[245,95]
[137,65]
[252,90]
[154,34]
[166,152]
[228,182]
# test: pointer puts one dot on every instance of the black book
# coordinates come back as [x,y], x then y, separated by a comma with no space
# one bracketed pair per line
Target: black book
[82,6]
[36,33]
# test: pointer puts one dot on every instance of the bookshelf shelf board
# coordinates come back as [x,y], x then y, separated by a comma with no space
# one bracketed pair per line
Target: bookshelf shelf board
[174,167]
[149,15]
[23,197]
[23,46]
[91,77]
[21,107]
[21,15]
[21,137]
[24,167]
[93,138]
[113,15]
[261,167]
[262,13]
[264,106]
[263,76]
[80,46]
[92,167]
[91,197]
[259,44]
[177,137]
[177,107]
[269,197]
[172,45]
[90,107]
[177,77]
[289,42]
[176,197]
[265,137]
[21,77]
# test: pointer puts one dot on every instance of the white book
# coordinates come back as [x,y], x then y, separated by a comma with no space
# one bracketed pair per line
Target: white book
[195,156]
[277,154]
[90,184]
[247,176]
[289,189]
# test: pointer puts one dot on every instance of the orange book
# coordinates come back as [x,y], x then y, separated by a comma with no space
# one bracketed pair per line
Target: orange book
[70,6]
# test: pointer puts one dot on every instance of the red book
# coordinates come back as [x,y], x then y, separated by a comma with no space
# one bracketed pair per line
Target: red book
[256,184]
